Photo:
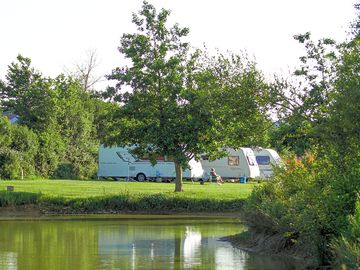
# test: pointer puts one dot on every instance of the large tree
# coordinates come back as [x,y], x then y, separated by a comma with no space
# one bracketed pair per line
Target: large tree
[303,102]
[171,106]
[28,94]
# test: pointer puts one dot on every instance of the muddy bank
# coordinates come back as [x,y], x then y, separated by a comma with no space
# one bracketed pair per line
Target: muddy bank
[296,254]
[35,211]
[20,211]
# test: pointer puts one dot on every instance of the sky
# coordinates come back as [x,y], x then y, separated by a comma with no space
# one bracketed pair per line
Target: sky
[57,34]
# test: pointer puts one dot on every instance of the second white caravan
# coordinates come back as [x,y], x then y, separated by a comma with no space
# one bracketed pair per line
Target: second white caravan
[118,162]
[237,163]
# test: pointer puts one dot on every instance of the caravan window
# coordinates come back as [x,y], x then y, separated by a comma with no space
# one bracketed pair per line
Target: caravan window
[233,161]
[263,160]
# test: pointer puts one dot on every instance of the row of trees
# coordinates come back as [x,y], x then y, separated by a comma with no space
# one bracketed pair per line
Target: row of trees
[59,126]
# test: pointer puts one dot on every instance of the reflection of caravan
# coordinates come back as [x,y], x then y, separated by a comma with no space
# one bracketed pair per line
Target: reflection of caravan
[118,162]
[238,163]
[266,158]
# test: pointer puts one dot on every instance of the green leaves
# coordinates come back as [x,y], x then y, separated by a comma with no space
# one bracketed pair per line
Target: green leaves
[181,104]
[156,77]
[18,148]
[63,120]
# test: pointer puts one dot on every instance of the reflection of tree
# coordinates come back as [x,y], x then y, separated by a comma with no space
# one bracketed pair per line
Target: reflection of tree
[177,249]
[55,245]
[208,254]
[121,244]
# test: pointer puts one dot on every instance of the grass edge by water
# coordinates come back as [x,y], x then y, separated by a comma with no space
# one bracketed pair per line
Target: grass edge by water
[121,203]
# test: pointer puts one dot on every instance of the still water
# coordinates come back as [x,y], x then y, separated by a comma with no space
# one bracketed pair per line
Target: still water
[125,243]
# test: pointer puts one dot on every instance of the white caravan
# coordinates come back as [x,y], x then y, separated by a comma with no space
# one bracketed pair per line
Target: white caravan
[237,163]
[266,159]
[118,162]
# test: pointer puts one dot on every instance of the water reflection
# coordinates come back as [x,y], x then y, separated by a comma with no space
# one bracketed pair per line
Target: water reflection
[124,244]
[8,260]
[192,247]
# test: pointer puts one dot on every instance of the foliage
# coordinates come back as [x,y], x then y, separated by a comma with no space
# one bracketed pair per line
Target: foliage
[28,94]
[235,95]
[18,147]
[311,201]
[343,137]
[51,151]
[76,120]
[156,106]
[303,102]
[304,203]
[347,246]
[292,135]
[64,122]
[5,128]
[181,105]
[343,127]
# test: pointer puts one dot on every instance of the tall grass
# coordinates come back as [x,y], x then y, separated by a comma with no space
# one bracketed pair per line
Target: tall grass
[142,202]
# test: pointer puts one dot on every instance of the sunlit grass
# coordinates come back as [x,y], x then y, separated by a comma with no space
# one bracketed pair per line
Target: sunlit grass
[76,197]
[84,189]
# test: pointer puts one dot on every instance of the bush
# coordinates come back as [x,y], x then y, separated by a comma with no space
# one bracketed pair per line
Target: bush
[347,246]
[306,203]
[10,164]
[64,171]
[18,146]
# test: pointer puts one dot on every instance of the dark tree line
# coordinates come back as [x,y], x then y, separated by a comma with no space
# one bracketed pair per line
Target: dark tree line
[58,129]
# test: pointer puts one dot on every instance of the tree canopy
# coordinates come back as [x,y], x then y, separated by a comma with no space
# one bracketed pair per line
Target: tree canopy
[181,104]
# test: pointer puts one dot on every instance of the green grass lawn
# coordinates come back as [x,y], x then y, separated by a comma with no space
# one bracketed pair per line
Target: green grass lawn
[85,189]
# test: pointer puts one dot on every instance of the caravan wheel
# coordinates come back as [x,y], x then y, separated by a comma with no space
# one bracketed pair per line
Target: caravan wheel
[141,177]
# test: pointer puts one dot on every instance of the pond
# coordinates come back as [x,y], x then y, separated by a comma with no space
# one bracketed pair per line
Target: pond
[125,242]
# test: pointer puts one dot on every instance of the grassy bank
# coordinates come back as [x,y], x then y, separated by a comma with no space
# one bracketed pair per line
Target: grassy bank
[70,196]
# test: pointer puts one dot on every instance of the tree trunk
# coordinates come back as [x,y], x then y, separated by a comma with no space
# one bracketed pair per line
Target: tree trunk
[178,181]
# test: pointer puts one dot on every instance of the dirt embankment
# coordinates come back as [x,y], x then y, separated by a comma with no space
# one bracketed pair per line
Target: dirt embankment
[275,245]
[34,211]
[20,211]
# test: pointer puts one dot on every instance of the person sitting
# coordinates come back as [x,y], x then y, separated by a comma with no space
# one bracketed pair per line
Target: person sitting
[215,176]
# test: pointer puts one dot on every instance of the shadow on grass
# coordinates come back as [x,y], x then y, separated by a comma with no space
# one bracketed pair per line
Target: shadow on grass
[10,198]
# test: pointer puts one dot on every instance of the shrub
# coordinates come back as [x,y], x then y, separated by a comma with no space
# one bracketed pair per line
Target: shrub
[10,163]
[306,203]
[64,171]
[347,246]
